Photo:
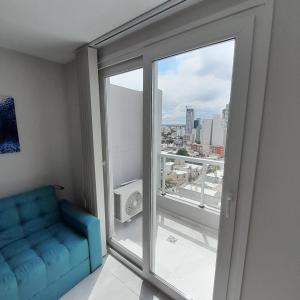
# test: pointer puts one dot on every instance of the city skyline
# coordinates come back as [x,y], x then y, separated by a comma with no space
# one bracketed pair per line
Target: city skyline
[200,79]
[196,117]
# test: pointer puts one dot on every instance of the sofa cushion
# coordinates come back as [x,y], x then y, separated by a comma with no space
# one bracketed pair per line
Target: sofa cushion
[10,234]
[27,268]
[34,262]
[31,276]
[8,282]
[26,213]
[22,271]
[56,258]
[9,218]
[76,244]
[15,248]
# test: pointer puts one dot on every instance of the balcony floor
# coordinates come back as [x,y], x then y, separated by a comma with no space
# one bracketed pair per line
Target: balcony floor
[185,252]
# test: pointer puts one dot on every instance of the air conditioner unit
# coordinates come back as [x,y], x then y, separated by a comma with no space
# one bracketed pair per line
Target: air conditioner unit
[128,200]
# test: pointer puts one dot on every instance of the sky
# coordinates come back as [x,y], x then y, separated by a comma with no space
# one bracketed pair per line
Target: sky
[200,79]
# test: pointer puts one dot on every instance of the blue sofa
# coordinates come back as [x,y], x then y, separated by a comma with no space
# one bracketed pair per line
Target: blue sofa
[46,246]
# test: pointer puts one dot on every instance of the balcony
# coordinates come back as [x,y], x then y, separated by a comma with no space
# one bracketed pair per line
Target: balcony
[187,221]
[191,188]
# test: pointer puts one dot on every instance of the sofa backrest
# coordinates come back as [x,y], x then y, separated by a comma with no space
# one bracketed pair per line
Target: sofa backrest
[23,214]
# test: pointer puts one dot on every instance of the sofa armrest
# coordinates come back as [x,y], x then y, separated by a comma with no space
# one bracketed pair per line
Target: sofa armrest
[87,225]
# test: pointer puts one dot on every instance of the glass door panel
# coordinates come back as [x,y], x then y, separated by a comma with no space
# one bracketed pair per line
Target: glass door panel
[124,126]
[191,100]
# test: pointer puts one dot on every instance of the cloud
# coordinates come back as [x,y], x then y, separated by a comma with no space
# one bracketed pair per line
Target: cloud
[200,79]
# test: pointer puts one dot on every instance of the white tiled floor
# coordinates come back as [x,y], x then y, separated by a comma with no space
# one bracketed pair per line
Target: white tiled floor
[114,281]
[185,256]
[185,253]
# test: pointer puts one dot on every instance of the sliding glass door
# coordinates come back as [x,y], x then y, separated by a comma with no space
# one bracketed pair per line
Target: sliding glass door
[196,90]
[123,105]
[173,124]
[192,95]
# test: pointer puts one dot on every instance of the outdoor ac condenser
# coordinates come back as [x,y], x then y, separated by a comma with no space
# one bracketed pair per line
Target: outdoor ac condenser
[128,200]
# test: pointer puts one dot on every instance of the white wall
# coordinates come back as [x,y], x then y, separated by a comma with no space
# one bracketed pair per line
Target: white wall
[38,88]
[272,269]
[125,132]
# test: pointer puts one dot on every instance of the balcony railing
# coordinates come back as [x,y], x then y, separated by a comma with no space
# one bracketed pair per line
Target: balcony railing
[192,179]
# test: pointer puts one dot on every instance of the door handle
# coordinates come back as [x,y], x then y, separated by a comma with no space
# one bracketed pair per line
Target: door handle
[229,199]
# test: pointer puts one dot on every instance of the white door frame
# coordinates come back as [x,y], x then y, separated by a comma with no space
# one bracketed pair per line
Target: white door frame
[252,14]
[240,29]
[127,66]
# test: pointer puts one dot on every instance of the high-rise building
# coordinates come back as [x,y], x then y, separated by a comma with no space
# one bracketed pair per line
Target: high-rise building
[206,132]
[197,126]
[213,131]
[180,130]
[225,115]
[218,126]
[189,124]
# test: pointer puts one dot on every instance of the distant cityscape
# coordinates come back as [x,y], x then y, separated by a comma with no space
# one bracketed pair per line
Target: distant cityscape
[185,172]
[198,137]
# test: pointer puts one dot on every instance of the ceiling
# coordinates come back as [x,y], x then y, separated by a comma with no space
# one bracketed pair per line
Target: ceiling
[54,29]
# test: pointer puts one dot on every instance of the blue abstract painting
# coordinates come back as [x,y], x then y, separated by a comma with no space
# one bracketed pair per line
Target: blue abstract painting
[9,138]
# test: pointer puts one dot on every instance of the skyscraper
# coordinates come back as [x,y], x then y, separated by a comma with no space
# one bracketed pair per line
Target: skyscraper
[206,131]
[189,124]
[225,113]
[197,126]
[217,136]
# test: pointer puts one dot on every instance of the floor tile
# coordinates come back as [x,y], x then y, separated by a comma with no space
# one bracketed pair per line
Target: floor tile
[102,284]
[185,254]
[185,257]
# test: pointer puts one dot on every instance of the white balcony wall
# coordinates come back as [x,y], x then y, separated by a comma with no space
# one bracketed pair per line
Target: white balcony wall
[192,213]
[125,132]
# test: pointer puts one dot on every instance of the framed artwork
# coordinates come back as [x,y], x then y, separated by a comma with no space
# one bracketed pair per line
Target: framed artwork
[9,138]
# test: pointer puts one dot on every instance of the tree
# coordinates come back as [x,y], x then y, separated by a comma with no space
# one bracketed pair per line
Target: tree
[212,169]
[183,152]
